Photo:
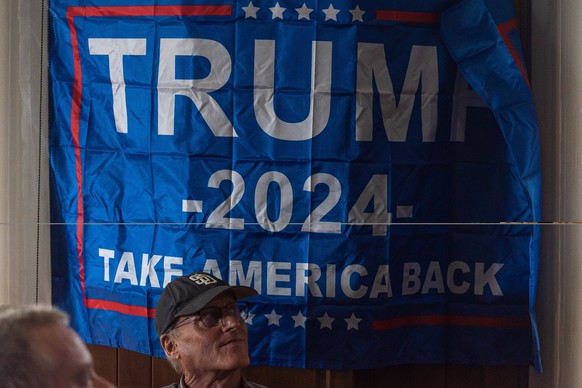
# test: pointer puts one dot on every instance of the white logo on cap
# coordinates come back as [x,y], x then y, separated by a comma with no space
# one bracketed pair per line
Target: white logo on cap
[202,279]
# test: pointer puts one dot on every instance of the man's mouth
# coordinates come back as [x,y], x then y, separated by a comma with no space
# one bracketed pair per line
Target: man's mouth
[232,341]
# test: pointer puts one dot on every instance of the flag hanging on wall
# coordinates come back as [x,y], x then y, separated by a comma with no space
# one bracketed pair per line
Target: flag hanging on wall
[370,167]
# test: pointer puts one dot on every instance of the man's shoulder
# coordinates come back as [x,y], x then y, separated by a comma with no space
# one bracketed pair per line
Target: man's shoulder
[175,385]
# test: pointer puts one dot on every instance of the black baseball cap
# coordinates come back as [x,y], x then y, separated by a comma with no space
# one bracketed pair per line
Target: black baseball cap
[188,294]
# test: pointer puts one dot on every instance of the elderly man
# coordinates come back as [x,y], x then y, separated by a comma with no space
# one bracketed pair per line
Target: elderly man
[201,326]
[39,349]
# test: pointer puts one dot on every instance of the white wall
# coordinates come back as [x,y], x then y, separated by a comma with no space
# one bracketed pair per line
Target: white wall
[24,230]
[4,143]
[557,86]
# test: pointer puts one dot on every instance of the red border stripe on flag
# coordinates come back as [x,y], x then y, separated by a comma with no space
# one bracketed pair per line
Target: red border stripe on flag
[114,11]
[407,16]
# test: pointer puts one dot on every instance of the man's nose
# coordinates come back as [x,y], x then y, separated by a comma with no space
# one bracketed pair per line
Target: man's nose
[230,320]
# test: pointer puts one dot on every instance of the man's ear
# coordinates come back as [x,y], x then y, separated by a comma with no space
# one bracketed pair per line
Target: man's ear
[170,345]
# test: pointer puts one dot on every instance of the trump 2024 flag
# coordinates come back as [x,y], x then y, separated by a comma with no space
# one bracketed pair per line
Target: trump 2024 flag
[371,168]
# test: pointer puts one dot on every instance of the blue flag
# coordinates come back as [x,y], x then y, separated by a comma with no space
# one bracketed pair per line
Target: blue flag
[371,168]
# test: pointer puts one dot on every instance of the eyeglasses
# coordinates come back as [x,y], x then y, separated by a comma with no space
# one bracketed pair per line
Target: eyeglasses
[213,315]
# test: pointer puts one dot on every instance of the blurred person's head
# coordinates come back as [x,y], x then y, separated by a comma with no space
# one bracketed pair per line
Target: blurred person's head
[38,348]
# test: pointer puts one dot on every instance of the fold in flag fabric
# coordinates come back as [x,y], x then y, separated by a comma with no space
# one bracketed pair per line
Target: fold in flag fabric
[371,168]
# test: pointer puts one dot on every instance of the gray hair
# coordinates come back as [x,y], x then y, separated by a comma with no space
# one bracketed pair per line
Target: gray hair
[20,362]
[173,332]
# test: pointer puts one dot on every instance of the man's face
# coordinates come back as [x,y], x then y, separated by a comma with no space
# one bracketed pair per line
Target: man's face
[69,363]
[220,348]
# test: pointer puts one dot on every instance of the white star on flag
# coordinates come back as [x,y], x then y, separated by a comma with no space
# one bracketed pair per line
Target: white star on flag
[273,318]
[331,13]
[353,322]
[299,319]
[277,11]
[325,321]
[249,318]
[357,14]
[303,12]
[250,11]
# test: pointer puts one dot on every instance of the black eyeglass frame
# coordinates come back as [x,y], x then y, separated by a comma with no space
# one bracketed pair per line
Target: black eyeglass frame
[238,309]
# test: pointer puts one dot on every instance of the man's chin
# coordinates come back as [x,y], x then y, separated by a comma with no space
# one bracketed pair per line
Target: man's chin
[241,362]
[236,358]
